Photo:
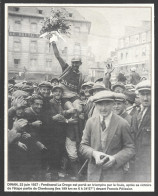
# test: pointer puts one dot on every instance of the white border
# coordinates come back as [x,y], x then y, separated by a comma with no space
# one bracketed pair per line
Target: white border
[77,5]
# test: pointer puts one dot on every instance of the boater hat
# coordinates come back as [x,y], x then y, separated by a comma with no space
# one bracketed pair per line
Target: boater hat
[104,95]
[144,85]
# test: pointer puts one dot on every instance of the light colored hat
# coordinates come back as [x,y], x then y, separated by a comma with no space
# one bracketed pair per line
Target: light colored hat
[57,86]
[104,95]
[45,84]
[118,84]
[120,97]
[98,86]
[133,69]
[90,84]
[130,87]
[144,85]
[76,59]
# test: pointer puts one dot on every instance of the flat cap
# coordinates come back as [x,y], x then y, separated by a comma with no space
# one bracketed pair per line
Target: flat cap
[19,85]
[120,97]
[45,84]
[76,59]
[99,80]
[133,69]
[10,87]
[104,95]
[130,87]
[144,85]
[90,84]
[27,88]
[96,86]
[118,84]
[54,79]
[20,93]
[57,86]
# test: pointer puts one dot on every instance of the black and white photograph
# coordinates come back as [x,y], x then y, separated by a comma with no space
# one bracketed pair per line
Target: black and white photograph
[79,89]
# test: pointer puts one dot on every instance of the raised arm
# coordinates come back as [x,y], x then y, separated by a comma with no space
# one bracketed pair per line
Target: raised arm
[59,58]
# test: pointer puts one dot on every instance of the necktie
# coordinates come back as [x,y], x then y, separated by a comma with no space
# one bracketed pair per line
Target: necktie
[103,125]
[140,116]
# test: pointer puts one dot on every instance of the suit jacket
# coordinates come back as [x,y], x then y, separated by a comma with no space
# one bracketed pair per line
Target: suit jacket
[119,144]
[143,147]
[127,117]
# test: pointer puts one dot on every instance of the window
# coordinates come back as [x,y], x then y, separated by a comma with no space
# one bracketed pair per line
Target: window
[127,41]
[137,39]
[17,45]
[121,43]
[17,26]
[33,46]
[16,63]
[47,47]
[77,29]
[33,63]
[70,14]
[136,53]
[16,9]
[143,37]
[121,56]
[64,51]
[33,27]
[48,63]
[126,55]
[144,51]
[40,11]
[132,40]
[77,49]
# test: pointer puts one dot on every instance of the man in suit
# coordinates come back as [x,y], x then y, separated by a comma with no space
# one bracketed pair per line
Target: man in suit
[130,103]
[106,137]
[120,107]
[143,134]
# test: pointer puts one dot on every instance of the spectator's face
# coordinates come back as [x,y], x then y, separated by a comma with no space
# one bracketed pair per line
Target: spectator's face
[119,107]
[104,107]
[20,112]
[15,88]
[45,91]
[57,93]
[37,105]
[75,65]
[55,83]
[145,98]
[118,89]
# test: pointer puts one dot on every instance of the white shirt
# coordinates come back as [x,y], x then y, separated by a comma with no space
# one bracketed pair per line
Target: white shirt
[129,109]
[107,120]
[104,133]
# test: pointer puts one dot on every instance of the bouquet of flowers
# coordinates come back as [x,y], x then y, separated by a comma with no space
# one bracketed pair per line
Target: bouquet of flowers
[56,24]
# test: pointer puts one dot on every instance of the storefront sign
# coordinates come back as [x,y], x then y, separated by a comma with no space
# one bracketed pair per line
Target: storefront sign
[24,34]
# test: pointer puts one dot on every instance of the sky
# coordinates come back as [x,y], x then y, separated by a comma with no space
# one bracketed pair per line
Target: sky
[108,24]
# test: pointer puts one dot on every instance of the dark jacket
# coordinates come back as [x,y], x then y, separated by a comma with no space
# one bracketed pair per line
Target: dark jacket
[143,147]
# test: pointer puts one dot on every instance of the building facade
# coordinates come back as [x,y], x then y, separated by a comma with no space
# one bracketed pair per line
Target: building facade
[31,57]
[134,50]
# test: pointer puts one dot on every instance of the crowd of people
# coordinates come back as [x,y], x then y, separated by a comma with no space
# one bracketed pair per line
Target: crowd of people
[77,130]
